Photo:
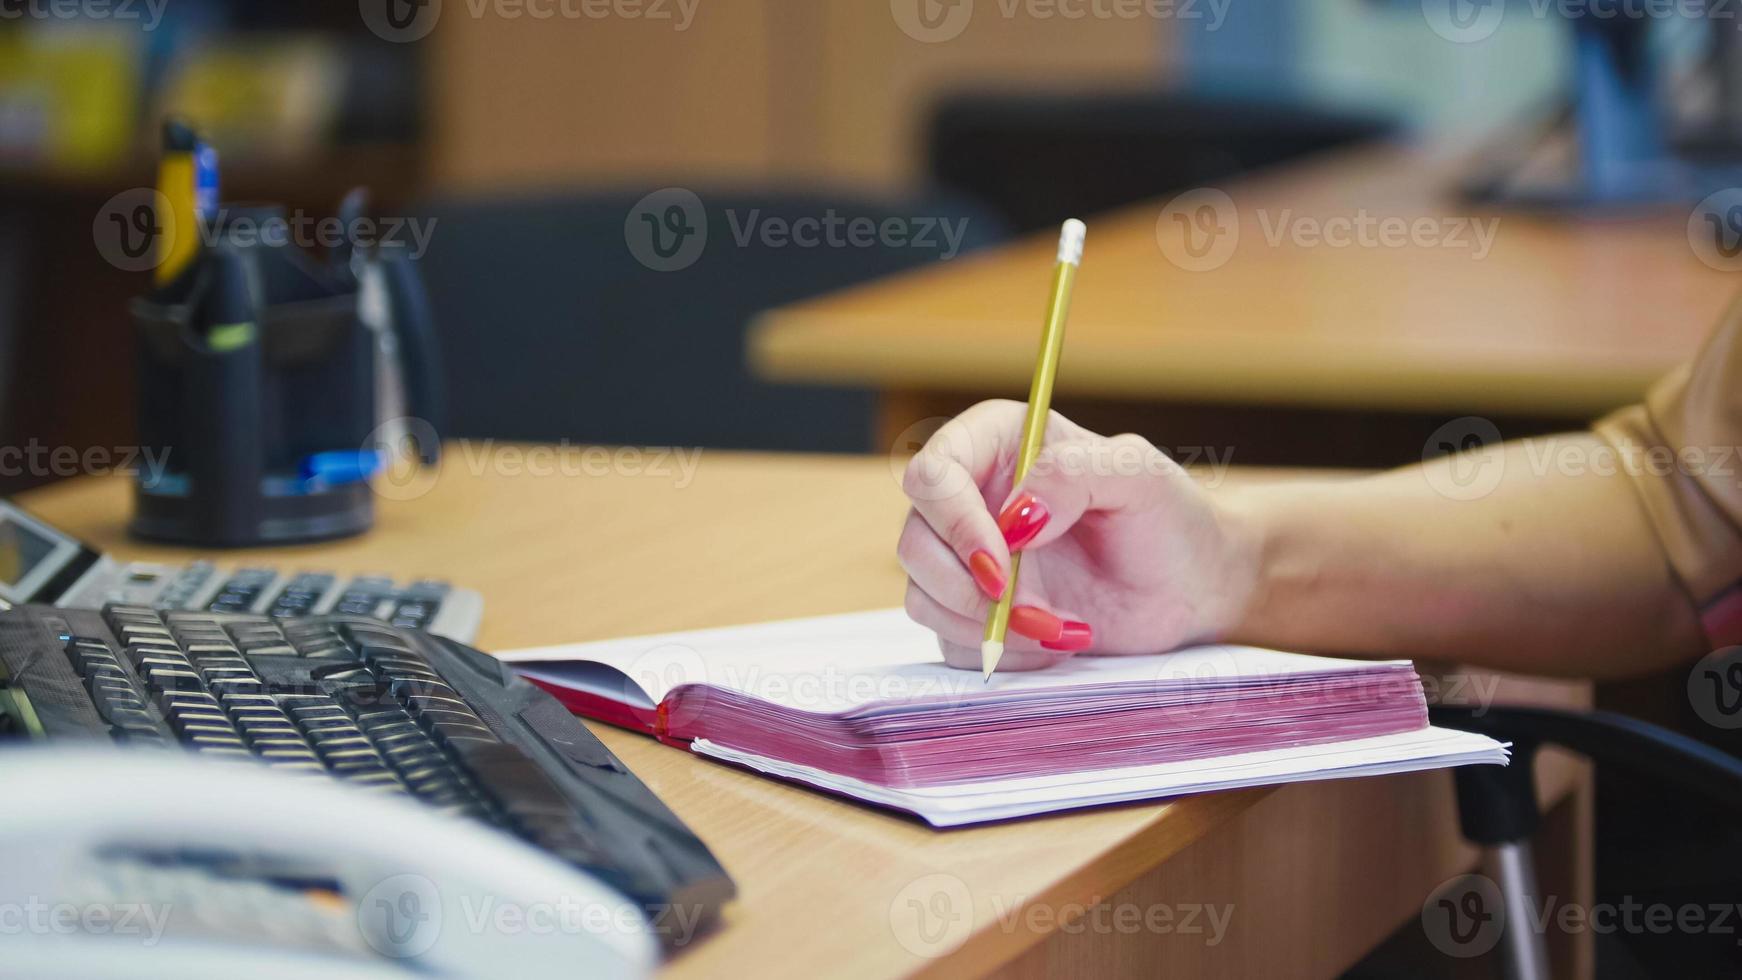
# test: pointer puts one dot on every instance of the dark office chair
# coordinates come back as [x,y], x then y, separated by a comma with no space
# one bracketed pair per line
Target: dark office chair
[552,328]
[1038,159]
[1497,806]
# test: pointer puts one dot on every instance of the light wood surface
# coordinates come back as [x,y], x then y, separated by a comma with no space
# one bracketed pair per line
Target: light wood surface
[1316,874]
[828,92]
[1561,318]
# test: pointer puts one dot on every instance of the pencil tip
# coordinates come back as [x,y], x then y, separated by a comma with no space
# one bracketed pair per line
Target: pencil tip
[991,652]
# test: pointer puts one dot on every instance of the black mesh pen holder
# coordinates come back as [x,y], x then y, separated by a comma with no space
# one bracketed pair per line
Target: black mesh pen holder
[235,425]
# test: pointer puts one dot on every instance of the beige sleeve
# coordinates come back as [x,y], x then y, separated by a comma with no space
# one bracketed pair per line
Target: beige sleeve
[1681,449]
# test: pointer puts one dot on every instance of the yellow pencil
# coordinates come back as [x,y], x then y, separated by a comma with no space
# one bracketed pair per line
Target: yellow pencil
[1052,342]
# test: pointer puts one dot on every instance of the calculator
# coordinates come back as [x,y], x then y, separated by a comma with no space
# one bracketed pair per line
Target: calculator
[40,563]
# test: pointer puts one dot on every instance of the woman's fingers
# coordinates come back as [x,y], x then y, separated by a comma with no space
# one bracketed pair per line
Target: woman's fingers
[1077,477]
[957,554]
[1029,625]
[946,623]
[943,482]
[963,588]
[946,479]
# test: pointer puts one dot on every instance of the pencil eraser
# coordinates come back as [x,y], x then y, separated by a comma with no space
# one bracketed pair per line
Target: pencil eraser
[1071,242]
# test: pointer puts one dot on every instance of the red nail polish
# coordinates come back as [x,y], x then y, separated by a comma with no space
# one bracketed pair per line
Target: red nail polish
[1074,637]
[987,575]
[1022,520]
[1036,624]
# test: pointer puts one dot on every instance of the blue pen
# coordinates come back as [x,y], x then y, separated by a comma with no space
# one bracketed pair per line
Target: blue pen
[340,467]
[205,180]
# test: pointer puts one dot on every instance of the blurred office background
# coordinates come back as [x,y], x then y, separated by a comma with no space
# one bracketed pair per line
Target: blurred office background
[528,140]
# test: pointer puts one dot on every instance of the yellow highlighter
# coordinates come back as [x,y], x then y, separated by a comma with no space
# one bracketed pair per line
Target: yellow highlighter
[185,177]
[1052,342]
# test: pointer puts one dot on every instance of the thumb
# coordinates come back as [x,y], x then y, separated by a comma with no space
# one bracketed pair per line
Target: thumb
[1073,479]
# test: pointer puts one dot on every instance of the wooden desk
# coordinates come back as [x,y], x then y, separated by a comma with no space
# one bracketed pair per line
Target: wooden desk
[1316,874]
[1561,319]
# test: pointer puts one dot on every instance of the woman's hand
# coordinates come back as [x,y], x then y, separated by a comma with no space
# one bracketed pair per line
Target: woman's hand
[1123,552]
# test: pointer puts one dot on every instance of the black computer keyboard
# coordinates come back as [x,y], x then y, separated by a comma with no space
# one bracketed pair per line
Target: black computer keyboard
[383,709]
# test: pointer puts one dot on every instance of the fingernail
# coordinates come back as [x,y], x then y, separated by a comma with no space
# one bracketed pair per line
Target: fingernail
[987,575]
[1036,624]
[1074,637]
[1022,520]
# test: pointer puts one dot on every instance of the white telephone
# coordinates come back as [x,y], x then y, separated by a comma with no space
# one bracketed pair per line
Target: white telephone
[118,864]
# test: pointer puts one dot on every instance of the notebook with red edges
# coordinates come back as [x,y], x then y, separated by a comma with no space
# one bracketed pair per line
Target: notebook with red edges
[862,704]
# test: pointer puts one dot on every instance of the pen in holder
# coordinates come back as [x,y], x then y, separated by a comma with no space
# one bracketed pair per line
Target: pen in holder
[258,377]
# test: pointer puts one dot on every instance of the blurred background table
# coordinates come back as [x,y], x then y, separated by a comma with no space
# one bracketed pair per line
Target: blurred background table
[1288,349]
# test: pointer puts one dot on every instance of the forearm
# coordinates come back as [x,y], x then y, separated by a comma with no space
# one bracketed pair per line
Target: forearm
[1550,572]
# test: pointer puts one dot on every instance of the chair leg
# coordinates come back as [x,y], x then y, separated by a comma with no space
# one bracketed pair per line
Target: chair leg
[1497,810]
[1514,868]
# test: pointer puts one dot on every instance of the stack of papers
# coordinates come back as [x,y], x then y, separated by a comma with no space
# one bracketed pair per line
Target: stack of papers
[862,705]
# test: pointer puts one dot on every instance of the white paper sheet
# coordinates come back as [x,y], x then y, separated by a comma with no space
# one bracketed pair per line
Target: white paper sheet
[978,802]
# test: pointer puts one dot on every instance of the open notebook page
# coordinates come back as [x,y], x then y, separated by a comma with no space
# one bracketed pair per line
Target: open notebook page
[834,664]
